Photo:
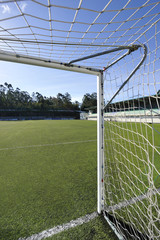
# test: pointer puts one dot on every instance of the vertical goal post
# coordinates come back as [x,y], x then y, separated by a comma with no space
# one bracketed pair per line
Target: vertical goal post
[100,142]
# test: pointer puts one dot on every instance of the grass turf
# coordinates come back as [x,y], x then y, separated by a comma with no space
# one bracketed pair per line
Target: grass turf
[48,177]
[43,182]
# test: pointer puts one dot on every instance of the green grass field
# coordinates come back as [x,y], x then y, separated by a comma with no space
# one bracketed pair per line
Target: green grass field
[48,177]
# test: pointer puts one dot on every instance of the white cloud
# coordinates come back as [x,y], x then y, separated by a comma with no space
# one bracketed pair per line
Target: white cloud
[6,9]
[23,6]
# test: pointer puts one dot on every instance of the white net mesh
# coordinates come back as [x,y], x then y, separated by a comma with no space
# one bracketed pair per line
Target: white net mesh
[132,142]
[67,30]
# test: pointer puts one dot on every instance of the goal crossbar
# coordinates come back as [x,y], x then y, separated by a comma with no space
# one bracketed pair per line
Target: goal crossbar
[47,63]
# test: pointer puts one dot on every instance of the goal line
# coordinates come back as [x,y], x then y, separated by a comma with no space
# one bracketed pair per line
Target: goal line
[60,228]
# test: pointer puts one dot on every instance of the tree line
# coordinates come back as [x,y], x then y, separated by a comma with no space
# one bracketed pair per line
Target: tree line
[11,98]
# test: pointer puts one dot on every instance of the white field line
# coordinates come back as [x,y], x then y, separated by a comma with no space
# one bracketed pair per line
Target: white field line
[53,144]
[49,144]
[131,201]
[46,145]
[61,228]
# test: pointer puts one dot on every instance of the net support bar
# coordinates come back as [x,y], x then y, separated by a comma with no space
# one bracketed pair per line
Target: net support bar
[47,63]
[100,143]
[131,48]
[131,74]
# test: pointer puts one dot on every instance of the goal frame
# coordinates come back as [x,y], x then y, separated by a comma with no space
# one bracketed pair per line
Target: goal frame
[7,56]
[80,69]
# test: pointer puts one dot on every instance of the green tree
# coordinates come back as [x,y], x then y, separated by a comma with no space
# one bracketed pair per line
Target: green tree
[17,99]
[76,105]
[89,101]
[64,101]
[67,104]
[2,96]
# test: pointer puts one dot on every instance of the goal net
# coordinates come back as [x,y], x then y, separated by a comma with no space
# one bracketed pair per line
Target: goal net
[132,140]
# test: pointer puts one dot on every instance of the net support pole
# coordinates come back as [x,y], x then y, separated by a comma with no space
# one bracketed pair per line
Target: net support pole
[100,142]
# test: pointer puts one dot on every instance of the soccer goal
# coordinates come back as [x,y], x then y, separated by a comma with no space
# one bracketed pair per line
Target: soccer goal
[119,43]
[131,170]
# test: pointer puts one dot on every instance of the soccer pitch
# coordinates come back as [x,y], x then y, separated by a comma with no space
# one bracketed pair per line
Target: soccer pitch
[48,177]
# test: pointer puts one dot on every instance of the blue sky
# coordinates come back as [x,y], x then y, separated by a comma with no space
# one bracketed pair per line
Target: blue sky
[50,82]
[47,81]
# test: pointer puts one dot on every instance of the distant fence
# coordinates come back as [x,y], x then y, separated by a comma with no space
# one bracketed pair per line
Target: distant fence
[33,118]
[14,115]
[147,116]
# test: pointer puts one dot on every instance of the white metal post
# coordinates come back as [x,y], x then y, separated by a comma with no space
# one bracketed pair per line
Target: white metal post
[100,129]
[46,63]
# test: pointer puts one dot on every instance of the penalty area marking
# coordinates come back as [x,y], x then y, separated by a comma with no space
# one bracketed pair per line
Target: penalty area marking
[46,145]
[54,144]
[61,228]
